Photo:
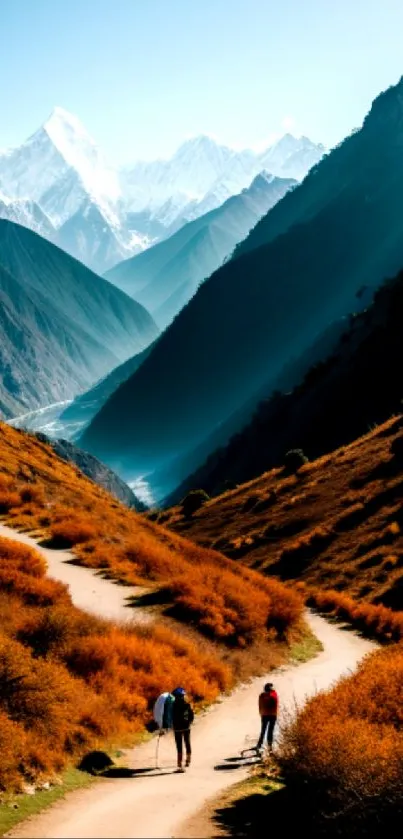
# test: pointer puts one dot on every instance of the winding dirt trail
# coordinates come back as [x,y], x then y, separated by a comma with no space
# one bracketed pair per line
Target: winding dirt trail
[88,590]
[156,803]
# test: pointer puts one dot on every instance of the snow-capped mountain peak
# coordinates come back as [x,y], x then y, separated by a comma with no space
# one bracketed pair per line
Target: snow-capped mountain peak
[79,151]
[58,166]
[68,135]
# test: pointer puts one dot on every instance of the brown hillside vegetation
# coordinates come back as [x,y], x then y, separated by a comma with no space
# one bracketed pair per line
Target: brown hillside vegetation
[336,524]
[226,602]
[69,681]
[335,527]
[344,751]
[340,762]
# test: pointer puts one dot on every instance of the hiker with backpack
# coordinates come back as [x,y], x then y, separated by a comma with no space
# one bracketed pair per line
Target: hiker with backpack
[268,708]
[182,718]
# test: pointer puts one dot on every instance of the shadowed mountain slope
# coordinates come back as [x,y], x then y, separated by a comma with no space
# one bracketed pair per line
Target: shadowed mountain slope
[61,325]
[265,306]
[337,401]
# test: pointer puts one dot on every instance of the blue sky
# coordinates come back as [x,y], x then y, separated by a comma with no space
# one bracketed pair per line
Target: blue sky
[142,75]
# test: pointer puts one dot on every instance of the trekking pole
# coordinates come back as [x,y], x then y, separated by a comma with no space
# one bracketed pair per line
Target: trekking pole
[157,750]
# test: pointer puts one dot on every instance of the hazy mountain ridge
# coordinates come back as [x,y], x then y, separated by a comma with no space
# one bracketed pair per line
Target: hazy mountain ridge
[62,326]
[202,174]
[166,276]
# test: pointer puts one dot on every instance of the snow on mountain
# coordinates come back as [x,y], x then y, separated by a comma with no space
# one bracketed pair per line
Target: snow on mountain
[202,174]
[58,165]
[238,173]
[291,157]
[64,197]
[81,153]
[61,172]
[197,164]
[27,213]
[89,237]
[185,177]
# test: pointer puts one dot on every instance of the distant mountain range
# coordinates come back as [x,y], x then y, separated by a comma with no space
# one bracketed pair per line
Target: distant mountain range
[166,276]
[61,326]
[102,215]
[202,174]
[300,269]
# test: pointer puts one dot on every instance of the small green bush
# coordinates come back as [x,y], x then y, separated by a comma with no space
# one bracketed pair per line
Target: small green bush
[193,501]
[293,460]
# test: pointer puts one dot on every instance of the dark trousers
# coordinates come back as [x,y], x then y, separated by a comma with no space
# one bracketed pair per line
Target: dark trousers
[180,738]
[268,724]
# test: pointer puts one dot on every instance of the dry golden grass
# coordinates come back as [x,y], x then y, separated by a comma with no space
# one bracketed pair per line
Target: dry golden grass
[337,524]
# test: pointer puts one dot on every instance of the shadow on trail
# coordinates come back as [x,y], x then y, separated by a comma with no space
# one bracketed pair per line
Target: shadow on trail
[250,816]
[238,762]
[232,759]
[99,763]
[279,810]
[126,772]
[226,767]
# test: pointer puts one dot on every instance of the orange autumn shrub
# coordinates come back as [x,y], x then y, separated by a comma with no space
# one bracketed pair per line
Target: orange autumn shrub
[69,681]
[228,607]
[13,745]
[346,745]
[21,558]
[71,531]
[8,500]
[377,621]
[32,493]
[47,704]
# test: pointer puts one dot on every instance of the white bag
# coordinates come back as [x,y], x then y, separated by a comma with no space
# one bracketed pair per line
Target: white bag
[159,707]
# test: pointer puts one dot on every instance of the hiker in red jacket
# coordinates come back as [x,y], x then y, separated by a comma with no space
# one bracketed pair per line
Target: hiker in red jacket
[268,707]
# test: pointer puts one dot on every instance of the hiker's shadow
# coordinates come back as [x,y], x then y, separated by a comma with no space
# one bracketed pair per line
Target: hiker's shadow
[100,764]
[126,772]
[237,762]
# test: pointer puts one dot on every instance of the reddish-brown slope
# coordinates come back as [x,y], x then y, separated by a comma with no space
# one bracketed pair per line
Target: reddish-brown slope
[337,523]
